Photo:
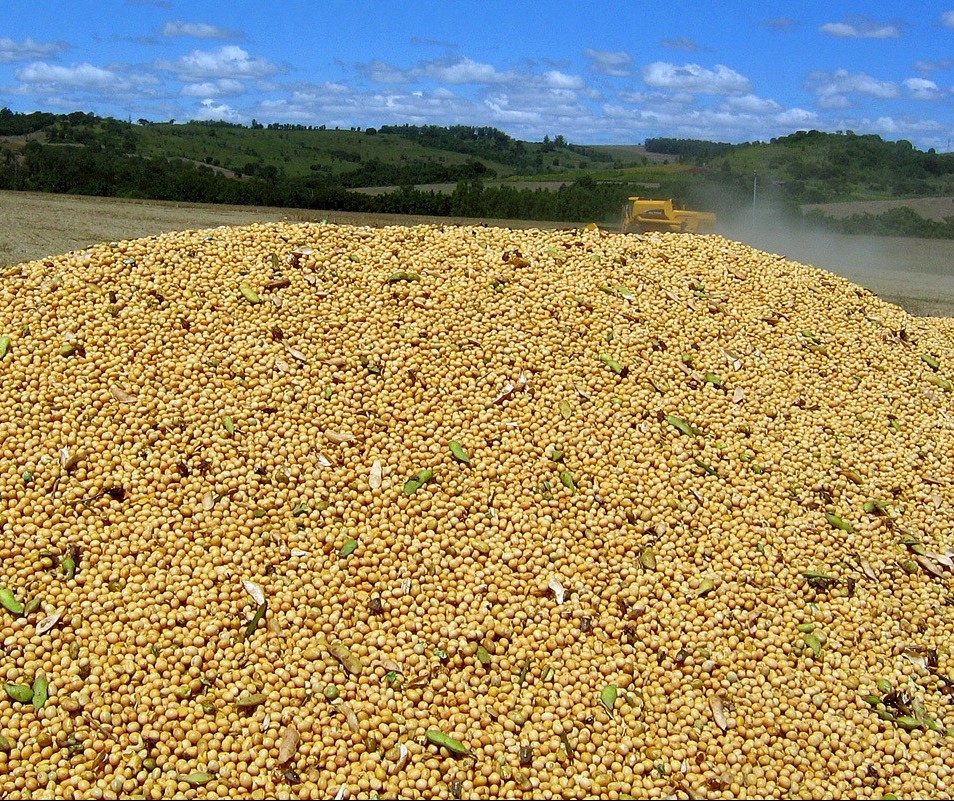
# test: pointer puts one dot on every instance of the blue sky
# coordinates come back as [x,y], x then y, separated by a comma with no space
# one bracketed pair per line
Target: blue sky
[595,72]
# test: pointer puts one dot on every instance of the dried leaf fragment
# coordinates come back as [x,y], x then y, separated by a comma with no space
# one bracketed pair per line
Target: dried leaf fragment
[349,661]
[339,437]
[718,712]
[557,588]
[50,621]
[4,345]
[255,590]
[250,700]
[375,478]
[288,744]
[295,353]
[121,395]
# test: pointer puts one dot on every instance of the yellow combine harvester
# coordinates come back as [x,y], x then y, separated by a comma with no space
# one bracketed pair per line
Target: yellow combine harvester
[641,215]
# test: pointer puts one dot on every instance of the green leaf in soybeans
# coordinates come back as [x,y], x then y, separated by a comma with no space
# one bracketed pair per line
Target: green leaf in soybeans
[228,424]
[708,468]
[402,275]
[68,566]
[19,692]
[836,522]
[10,602]
[556,455]
[806,628]
[41,691]
[198,779]
[612,363]
[705,587]
[941,382]
[931,361]
[884,686]
[909,723]
[608,697]
[414,483]
[256,619]
[438,738]
[712,378]
[683,425]
[872,700]
[348,548]
[873,507]
[566,479]
[566,410]
[300,509]
[248,293]
[4,345]
[483,655]
[458,452]
[812,641]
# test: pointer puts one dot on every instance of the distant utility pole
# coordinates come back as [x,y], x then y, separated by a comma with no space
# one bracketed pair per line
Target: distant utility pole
[755,189]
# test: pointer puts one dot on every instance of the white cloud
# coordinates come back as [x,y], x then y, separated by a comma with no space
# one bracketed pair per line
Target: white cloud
[610,62]
[751,104]
[861,28]
[947,19]
[692,78]
[229,61]
[560,80]
[210,110]
[45,77]
[197,30]
[922,89]
[11,51]
[463,70]
[223,87]
[833,88]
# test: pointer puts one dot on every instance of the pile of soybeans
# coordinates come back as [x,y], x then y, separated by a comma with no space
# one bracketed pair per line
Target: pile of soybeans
[315,511]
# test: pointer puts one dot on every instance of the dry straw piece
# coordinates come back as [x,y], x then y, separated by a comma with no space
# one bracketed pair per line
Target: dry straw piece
[646,516]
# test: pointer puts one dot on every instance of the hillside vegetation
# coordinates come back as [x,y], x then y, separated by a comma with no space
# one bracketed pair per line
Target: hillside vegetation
[314,167]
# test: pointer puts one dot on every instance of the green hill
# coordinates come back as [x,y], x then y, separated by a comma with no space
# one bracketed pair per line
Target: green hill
[816,167]
[494,174]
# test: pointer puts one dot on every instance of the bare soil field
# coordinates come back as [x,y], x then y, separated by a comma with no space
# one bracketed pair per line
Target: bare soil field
[917,274]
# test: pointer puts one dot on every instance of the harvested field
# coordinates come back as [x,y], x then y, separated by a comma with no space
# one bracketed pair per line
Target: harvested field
[312,511]
[931,208]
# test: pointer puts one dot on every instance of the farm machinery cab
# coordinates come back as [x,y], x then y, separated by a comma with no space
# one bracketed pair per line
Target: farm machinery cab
[641,215]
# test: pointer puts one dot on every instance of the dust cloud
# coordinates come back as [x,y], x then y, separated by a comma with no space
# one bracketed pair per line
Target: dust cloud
[916,274]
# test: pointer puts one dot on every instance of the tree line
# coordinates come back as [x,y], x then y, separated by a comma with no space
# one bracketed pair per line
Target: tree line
[89,171]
